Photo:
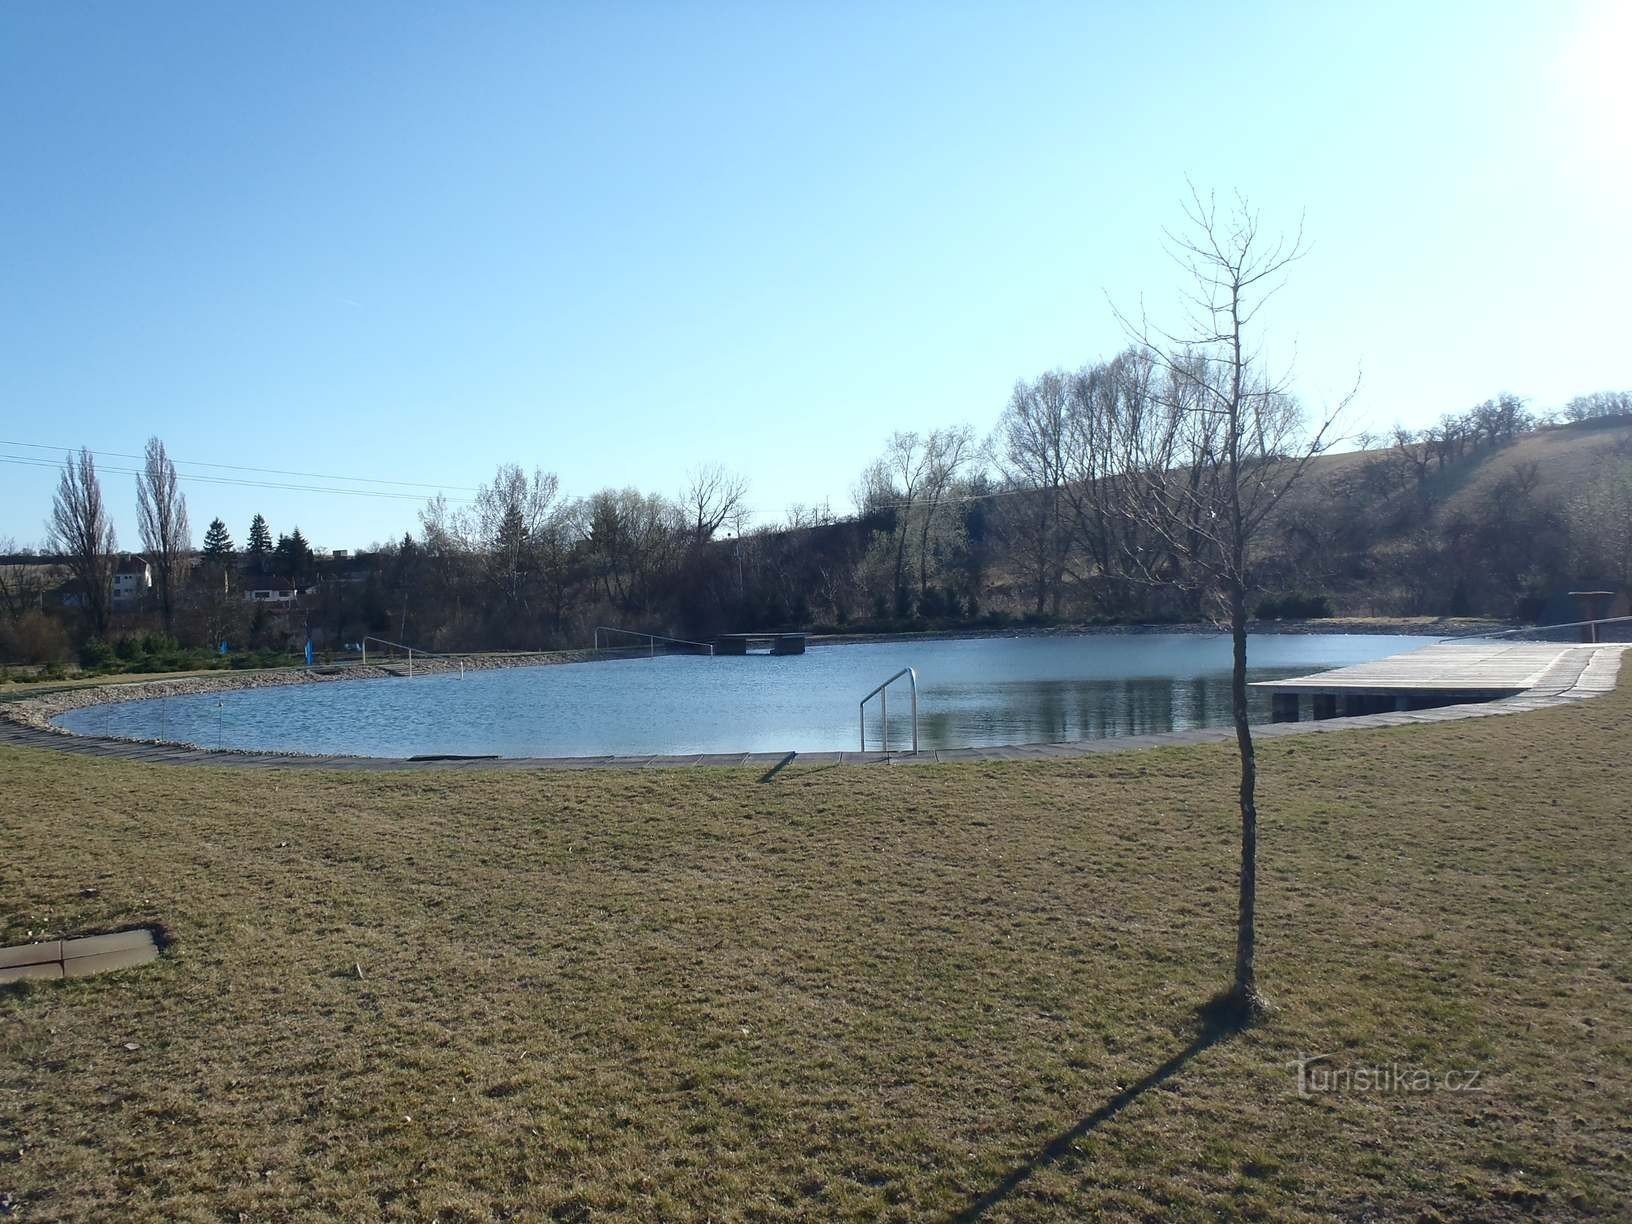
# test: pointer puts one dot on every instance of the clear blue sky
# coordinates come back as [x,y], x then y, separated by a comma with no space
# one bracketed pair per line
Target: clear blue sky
[410,241]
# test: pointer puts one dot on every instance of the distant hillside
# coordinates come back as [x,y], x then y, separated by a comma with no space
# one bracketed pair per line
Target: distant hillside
[1564,454]
[1493,530]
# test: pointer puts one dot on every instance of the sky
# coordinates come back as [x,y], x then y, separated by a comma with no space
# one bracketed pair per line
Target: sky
[408,242]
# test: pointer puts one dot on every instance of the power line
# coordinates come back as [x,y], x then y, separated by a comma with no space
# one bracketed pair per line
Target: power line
[238,482]
[238,467]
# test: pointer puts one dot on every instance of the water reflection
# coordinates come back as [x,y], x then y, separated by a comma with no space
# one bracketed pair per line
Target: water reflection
[1051,711]
[971,692]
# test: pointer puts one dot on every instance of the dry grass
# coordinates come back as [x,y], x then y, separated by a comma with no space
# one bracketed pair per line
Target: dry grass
[845,993]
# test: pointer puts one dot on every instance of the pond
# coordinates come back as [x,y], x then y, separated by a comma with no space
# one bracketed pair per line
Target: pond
[972,691]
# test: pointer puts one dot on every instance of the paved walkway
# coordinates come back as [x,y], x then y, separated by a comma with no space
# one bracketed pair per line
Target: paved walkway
[1574,674]
[1485,668]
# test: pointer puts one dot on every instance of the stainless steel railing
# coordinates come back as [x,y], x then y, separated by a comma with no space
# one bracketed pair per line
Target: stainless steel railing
[882,692]
[652,639]
[425,654]
[1591,631]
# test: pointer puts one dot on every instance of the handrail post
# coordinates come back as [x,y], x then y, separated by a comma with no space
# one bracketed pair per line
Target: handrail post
[912,676]
[882,692]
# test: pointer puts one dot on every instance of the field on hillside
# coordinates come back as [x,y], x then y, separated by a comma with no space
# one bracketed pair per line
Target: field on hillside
[840,993]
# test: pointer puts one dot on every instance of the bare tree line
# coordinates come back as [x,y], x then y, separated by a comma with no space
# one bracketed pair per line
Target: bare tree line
[1054,515]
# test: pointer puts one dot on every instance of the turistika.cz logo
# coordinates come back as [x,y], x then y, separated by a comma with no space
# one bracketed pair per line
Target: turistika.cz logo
[1316,1076]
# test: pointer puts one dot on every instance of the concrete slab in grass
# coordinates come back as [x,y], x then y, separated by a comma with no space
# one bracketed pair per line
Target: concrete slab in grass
[76,958]
[31,954]
[140,939]
[23,973]
[107,962]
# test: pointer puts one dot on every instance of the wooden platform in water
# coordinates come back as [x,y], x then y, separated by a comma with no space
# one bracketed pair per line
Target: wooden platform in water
[759,643]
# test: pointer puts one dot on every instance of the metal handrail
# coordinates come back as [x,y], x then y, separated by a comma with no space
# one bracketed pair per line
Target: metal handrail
[652,639]
[400,646]
[1602,620]
[883,695]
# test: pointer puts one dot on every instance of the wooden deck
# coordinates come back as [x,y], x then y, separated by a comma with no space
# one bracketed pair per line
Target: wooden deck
[1446,673]
[759,643]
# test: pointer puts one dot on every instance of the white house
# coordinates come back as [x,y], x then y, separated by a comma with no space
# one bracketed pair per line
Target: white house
[272,589]
[132,580]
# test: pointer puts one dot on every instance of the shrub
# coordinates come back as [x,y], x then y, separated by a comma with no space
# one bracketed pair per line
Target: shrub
[95,653]
[158,644]
[34,638]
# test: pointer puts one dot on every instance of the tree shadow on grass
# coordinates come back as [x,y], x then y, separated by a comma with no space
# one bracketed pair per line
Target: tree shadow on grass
[775,771]
[770,774]
[1219,1021]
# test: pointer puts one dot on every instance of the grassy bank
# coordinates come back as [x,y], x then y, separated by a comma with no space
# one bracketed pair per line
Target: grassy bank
[840,993]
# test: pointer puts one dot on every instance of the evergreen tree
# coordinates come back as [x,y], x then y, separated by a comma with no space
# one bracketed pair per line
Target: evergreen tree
[260,542]
[217,541]
[293,557]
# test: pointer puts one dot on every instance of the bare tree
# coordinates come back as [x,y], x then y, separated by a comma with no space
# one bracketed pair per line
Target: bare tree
[161,512]
[556,547]
[947,452]
[895,482]
[81,530]
[1204,470]
[800,516]
[1029,448]
[629,534]
[503,529]
[712,498]
[1415,452]
[1107,401]
[1598,405]
[22,580]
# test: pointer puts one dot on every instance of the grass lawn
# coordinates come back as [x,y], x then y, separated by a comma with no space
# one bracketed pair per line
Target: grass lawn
[842,993]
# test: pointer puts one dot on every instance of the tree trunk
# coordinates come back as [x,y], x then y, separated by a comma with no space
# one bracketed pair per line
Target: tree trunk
[900,565]
[165,609]
[1245,990]
[1246,987]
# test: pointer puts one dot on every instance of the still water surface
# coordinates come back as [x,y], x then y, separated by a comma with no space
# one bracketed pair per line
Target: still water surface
[973,691]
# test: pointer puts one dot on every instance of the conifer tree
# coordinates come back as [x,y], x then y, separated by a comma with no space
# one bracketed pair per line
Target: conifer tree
[217,541]
[260,542]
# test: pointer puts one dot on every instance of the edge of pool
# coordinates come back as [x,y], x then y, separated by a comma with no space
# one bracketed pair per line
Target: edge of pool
[1596,678]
